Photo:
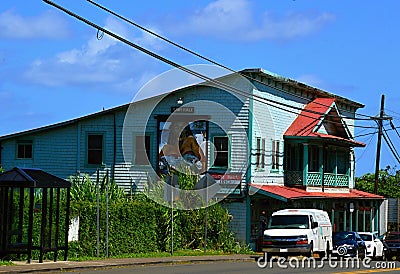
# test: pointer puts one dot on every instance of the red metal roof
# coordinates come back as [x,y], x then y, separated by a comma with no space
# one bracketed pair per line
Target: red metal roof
[305,123]
[298,193]
[309,117]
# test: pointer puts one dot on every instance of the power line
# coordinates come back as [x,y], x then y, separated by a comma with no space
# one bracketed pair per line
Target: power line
[365,150]
[393,111]
[204,57]
[391,146]
[217,83]
[394,128]
[366,134]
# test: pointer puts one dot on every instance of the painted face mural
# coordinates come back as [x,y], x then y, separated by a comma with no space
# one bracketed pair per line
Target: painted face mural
[194,136]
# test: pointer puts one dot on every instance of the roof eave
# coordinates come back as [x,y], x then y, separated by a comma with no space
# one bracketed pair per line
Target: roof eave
[301,85]
[60,124]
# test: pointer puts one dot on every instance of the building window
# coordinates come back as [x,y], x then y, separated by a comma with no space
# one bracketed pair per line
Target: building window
[24,150]
[263,153]
[95,149]
[260,154]
[293,157]
[221,151]
[142,150]
[275,154]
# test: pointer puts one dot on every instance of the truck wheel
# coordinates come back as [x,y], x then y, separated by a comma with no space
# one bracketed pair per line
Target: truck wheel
[311,252]
[325,253]
[383,257]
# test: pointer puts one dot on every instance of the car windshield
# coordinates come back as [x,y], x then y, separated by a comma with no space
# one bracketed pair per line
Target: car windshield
[393,237]
[366,237]
[289,221]
[339,236]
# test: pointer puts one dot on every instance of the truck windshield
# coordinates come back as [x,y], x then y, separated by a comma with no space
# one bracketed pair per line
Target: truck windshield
[289,221]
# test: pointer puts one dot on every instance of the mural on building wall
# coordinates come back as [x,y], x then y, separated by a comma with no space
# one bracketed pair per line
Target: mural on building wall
[182,146]
[199,132]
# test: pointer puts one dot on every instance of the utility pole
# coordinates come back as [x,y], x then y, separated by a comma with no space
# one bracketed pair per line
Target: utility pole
[378,146]
[379,143]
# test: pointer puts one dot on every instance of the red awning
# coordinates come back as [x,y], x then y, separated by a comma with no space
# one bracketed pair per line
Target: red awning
[288,193]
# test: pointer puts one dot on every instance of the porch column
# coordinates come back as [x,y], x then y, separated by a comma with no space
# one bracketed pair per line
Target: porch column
[351,221]
[371,220]
[345,219]
[377,215]
[333,218]
[321,153]
[335,170]
[364,212]
[356,228]
[305,163]
[348,164]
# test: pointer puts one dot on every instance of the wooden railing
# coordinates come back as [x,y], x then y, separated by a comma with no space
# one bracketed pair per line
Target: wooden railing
[293,178]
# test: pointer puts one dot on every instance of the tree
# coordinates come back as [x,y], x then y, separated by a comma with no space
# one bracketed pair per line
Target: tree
[388,183]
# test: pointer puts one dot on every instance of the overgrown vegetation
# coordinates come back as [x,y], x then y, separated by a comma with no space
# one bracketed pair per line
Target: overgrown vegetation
[138,225]
[388,182]
[6,262]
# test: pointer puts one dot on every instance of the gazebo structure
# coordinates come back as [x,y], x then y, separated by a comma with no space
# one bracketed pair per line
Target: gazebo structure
[31,201]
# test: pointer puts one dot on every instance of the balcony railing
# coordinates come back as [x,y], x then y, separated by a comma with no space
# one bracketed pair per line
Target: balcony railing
[293,178]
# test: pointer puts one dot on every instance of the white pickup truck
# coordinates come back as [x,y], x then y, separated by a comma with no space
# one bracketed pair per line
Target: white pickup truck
[298,232]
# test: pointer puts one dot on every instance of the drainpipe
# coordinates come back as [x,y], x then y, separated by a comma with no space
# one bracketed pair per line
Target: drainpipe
[114,146]
[78,144]
[249,174]
[1,152]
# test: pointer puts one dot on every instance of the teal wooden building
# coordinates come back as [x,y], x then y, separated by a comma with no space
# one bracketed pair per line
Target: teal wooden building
[285,143]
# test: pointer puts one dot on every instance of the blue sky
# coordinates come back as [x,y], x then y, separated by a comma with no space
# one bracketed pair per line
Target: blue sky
[53,68]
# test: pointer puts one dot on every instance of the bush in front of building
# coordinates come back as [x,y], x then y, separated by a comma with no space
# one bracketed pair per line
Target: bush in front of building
[137,224]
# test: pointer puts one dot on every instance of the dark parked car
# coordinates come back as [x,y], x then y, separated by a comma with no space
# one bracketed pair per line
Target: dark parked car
[392,242]
[349,243]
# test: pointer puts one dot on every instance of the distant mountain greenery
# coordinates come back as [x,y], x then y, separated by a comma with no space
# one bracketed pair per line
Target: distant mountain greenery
[388,182]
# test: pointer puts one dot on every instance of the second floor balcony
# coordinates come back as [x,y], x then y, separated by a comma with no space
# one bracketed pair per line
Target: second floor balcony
[316,179]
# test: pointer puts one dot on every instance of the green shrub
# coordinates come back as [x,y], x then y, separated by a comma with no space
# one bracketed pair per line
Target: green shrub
[136,224]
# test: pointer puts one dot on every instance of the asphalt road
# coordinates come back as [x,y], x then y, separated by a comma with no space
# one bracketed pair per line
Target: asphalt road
[252,267]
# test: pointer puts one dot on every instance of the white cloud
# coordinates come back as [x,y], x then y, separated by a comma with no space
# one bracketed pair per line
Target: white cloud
[290,26]
[311,80]
[315,81]
[106,62]
[220,17]
[46,25]
[237,20]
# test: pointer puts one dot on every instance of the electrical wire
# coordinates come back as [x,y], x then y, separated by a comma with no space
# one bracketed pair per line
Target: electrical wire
[364,150]
[366,134]
[393,111]
[394,128]
[206,58]
[217,83]
[390,145]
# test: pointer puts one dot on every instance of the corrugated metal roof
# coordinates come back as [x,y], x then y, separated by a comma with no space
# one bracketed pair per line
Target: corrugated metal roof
[302,86]
[61,124]
[298,193]
[305,124]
